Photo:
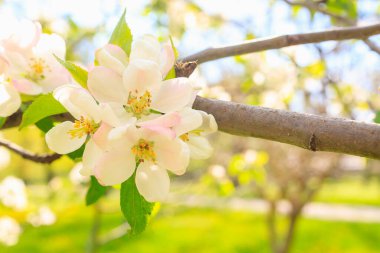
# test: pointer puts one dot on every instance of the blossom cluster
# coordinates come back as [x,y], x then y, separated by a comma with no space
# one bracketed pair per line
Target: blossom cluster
[132,119]
[28,66]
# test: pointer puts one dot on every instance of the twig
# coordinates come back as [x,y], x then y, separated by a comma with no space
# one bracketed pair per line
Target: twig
[46,158]
[360,32]
[342,19]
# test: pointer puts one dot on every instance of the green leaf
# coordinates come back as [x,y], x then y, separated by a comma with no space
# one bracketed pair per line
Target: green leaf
[77,154]
[42,107]
[95,191]
[121,35]
[45,124]
[2,121]
[377,118]
[134,207]
[79,74]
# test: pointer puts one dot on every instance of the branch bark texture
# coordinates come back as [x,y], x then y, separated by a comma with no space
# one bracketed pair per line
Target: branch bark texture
[361,32]
[307,131]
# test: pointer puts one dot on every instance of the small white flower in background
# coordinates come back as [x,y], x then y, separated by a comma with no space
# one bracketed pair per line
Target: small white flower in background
[43,217]
[5,157]
[12,193]
[134,86]
[28,65]
[10,231]
[69,136]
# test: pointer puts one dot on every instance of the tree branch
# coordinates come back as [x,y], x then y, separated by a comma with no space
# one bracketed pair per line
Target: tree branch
[311,6]
[315,133]
[29,155]
[360,32]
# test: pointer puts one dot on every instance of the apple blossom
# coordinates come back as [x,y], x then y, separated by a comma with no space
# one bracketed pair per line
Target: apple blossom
[136,84]
[195,125]
[27,63]
[153,153]
[69,136]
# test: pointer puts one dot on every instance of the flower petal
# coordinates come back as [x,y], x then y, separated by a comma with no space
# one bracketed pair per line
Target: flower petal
[200,148]
[4,64]
[115,166]
[106,85]
[163,124]
[190,119]
[146,47]
[209,124]
[173,95]
[114,114]
[113,57]
[167,58]
[141,75]
[152,182]
[78,102]
[172,154]
[26,35]
[27,86]
[10,100]
[60,141]
[91,155]
[50,45]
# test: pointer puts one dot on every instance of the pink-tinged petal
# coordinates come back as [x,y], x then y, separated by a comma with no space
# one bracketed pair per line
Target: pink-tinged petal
[60,141]
[106,85]
[200,148]
[171,154]
[146,47]
[18,64]
[209,124]
[163,124]
[141,75]
[100,137]
[113,57]
[27,86]
[91,156]
[78,102]
[173,95]
[167,59]
[190,120]
[10,100]
[152,182]
[25,36]
[126,134]
[114,114]
[115,166]
[4,64]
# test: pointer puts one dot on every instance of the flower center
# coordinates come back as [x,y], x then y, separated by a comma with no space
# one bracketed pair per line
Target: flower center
[38,66]
[83,127]
[139,105]
[143,151]
[185,137]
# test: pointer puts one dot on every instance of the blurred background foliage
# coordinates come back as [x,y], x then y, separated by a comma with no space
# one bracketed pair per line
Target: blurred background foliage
[218,205]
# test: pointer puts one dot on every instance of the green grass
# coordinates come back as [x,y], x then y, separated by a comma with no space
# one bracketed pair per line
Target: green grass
[197,230]
[350,190]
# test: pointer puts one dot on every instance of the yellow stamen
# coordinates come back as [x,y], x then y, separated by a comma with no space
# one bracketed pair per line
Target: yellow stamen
[185,137]
[38,67]
[143,151]
[83,127]
[139,105]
